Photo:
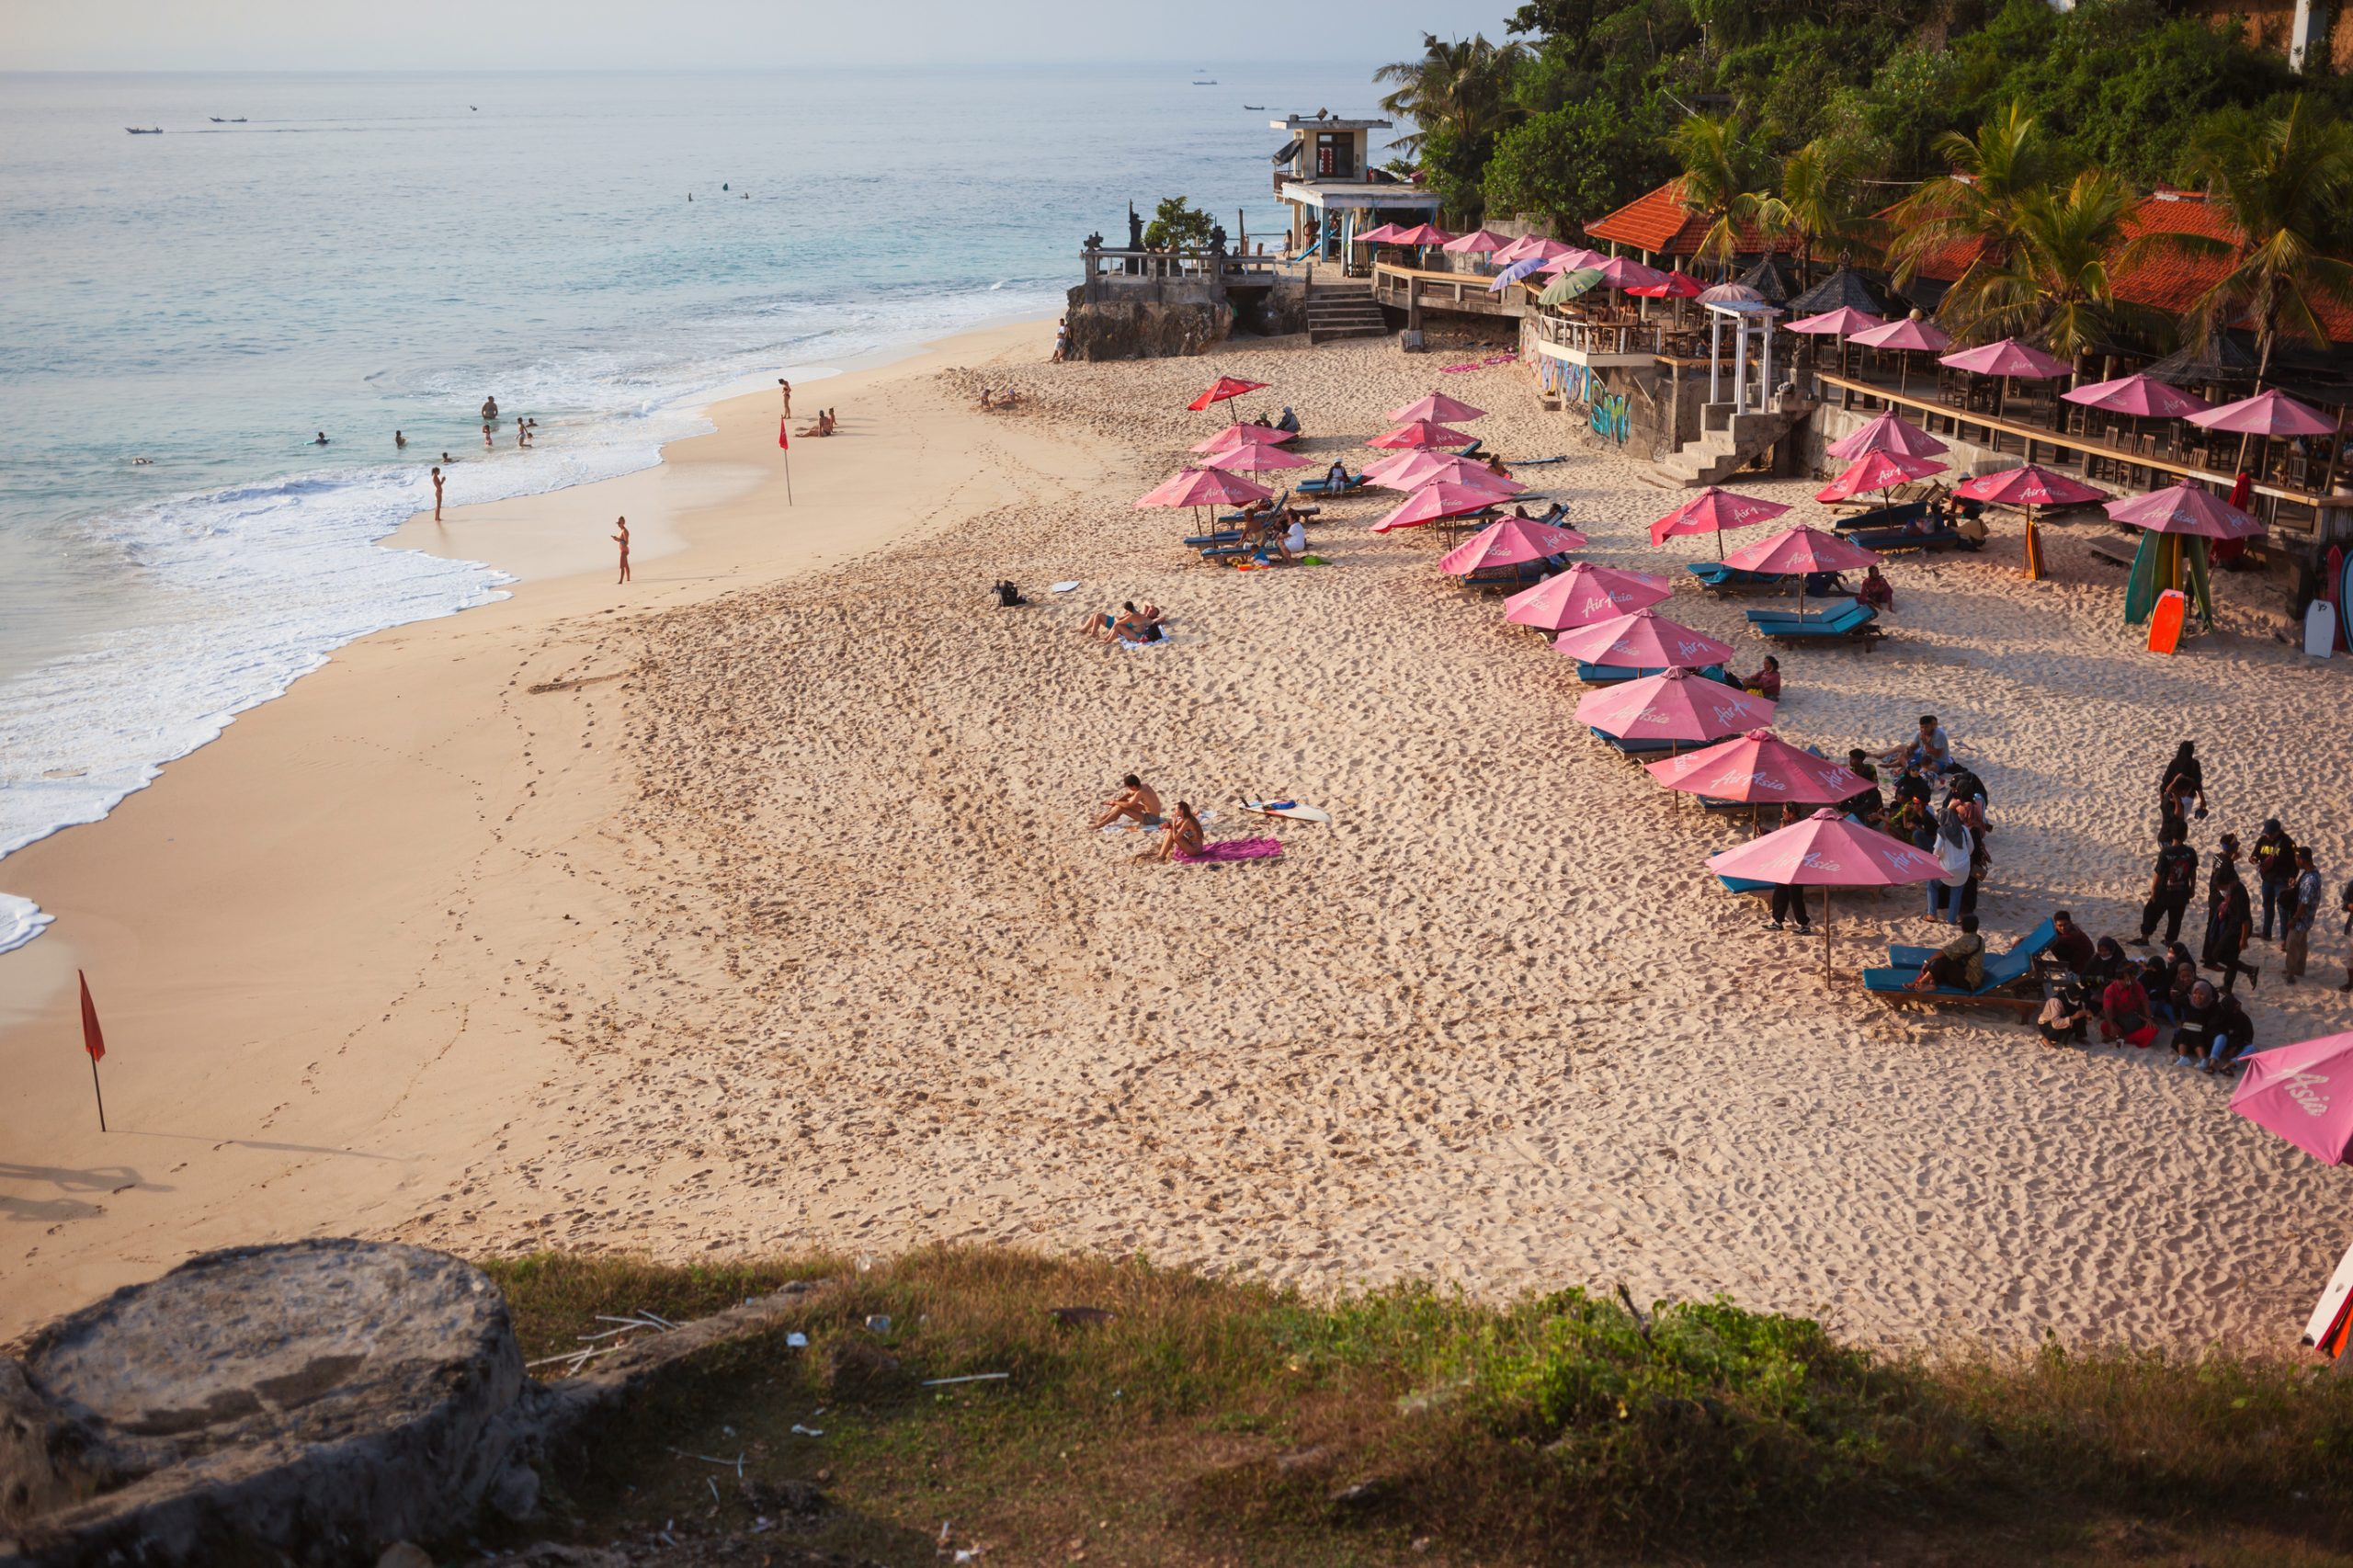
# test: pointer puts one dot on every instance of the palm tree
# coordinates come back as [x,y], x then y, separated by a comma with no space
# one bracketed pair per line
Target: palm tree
[2279,182]
[1815,204]
[1463,84]
[1978,205]
[2064,251]
[1715,165]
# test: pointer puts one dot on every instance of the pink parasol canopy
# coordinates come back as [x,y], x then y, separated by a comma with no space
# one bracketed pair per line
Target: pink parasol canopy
[1420,234]
[1759,768]
[1222,388]
[1876,470]
[2008,357]
[2300,1092]
[1234,436]
[1625,272]
[1826,850]
[1800,550]
[1904,333]
[1642,640]
[2142,397]
[2030,486]
[1435,500]
[1204,487]
[2266,414]
[1511,541]
[1250,457]
[1421,466]
[1385,233]
[1675,705]
[1673,286]
[1714,511]
[1436,408]
[2184,508]
[1843,322]
[1571,260]
[1480,239]
[1421,433]
[1888,432]
[1583,595]
[1530,245]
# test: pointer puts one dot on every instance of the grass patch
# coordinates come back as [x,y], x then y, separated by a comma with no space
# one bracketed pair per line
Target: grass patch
[1212,1421]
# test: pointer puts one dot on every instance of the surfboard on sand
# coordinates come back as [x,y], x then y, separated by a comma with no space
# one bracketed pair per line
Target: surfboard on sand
[2165,625]
[2334,1313]
[1272,807]
[2140,590]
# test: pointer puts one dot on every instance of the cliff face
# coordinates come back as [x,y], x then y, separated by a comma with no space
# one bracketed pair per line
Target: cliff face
[1109,329]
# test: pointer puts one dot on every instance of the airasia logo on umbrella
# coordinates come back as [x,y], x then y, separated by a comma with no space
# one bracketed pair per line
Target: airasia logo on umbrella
[1901,862]
[1734,711]
[1759,779]
[2302,1088]
[1816,860]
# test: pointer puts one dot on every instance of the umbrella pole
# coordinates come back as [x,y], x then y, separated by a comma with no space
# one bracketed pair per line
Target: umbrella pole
[1825,932]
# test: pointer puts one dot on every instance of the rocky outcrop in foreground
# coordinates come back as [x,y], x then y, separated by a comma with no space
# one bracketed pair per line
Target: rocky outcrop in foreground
[1119,329]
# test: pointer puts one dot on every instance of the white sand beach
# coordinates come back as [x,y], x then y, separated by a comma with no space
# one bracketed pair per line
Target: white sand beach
[784,930]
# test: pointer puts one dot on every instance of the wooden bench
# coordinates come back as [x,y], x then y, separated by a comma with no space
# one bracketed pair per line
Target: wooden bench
[2109,548]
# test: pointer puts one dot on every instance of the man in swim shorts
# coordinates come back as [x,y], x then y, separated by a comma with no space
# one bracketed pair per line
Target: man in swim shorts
[1136,800]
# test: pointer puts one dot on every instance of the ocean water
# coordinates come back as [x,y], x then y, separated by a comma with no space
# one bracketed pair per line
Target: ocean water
[371,253]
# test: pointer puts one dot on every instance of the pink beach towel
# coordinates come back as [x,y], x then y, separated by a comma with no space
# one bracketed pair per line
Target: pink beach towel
[1235,849]
[1457,370]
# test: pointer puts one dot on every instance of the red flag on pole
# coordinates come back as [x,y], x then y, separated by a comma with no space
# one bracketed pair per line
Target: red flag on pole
[92,1040]
[781,426]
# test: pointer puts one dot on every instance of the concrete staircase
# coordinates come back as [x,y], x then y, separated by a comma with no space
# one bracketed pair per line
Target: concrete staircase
[1338,311]
[1720,454]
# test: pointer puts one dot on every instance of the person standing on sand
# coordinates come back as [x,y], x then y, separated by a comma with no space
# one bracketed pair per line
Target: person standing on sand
[786,387]
[436,494]
[2296,925]
[622,539]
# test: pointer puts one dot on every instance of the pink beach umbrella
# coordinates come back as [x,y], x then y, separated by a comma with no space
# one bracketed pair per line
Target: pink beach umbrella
[1434,500]
[1881,472]
[1583,595]
[1420,433]
[2141,397]
[2303,1093]
[1676,706]
[1759,768]
[1625,272]
[2030,485]
[1204,487]
[1826,851]
[1385,233]
[1571,260]
[2008,359]
[1888,432]
[1800,550]
[1528,246]
[1717,512]
[1642,640]
[1675,285]
[1908,336]
[1843,322]
[1511,541]
[1250,457]
[2184,508]
[1420,235]
[2266,414]
[1239,435]
[1437,408]
[1480,239]
[1421,467]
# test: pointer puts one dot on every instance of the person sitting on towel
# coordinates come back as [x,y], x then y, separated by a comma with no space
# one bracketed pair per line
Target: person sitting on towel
[1136,800]
[1184,835]
[1959,965]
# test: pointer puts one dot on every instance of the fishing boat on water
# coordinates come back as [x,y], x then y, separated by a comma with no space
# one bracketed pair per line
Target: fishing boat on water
[149,130]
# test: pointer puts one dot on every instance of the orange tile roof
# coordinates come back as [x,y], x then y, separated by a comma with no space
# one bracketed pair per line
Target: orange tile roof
[1657,222]
[2163,280]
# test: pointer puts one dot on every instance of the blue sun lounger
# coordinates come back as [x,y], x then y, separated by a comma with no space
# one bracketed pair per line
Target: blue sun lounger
[1896,517]
[1884,540]
[1853,623]
[2007,977]
[1625,747]
[1348,486]
[1610,675]
[1719,578]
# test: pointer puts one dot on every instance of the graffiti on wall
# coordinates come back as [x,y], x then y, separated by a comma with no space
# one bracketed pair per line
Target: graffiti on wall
[1612,416]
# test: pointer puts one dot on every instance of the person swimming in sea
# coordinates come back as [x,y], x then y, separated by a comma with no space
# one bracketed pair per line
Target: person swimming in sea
[400,442]
[490,408]
[322,439]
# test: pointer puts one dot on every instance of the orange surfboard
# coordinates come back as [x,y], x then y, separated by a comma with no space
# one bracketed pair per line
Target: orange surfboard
[2164,625]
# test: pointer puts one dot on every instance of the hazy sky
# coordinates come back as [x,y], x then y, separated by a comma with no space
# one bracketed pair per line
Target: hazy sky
[219,35]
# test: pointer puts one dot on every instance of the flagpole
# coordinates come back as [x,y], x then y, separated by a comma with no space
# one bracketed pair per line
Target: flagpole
[787,476]
[100,1092]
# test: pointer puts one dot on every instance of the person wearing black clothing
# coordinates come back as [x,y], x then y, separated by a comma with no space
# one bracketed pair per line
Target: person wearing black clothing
[2229,922]
[2193,1031]
[2275,871]
[2071,944]
[2183,780]
[1788,903]
[1911,785]
[2108,963]
[2233,1036]
[2173,878]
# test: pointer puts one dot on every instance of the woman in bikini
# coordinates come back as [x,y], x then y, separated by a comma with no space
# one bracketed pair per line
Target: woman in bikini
[1182,836]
